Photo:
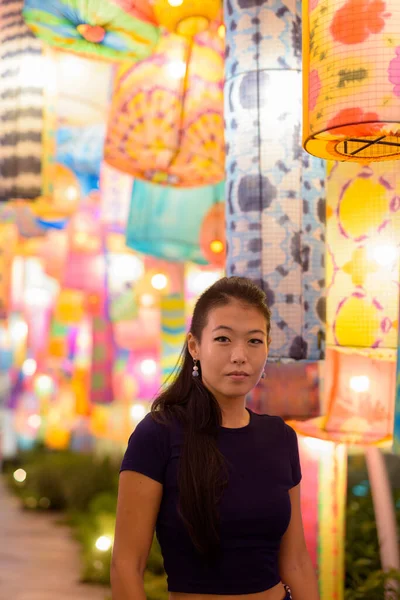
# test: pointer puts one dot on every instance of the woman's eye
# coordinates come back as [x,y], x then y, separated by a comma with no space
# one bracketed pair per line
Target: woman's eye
[221,338]
[256,341]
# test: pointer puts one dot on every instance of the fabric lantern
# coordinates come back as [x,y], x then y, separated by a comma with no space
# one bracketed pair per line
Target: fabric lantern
[351,99]
[212,235]
[173,325]
[116,191]
[95,28]
[21,106]
[65,196]
[275,205]
[156,216]
[166,116]
[101,384]
[8,244]
[144,364]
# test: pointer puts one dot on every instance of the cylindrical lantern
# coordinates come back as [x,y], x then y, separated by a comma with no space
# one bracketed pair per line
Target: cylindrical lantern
[213,235]
[166,118]
[351,70]
[275,208]
[156,215]
[22,73]
[95,28]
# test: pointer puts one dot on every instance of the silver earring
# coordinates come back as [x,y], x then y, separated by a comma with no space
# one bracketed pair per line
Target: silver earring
[263,375]
[195,371]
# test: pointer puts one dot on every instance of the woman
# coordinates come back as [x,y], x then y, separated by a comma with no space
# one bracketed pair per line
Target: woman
[219,483]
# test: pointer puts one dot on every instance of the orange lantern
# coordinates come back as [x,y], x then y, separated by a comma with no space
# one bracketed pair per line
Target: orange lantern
[65,196]
[213,237]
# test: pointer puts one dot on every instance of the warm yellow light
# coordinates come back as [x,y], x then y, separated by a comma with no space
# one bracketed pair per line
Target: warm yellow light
[19,475]
[103,543]
[148,366]
[175,2]
[44,384]
[198,282]
[385,255]
[34,421]
[159,281]
[138,411]
[29,367]
[147,300]
[176,69]
[217,246]
[359,383]
[19,331]
[221,31]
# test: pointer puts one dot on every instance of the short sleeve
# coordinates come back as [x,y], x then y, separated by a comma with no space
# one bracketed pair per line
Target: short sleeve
[148,449]
[294,455]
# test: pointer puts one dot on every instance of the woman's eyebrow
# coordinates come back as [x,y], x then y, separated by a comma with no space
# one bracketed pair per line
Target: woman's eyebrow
[230,329]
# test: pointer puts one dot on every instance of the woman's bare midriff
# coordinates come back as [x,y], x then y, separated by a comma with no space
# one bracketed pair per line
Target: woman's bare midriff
[275,593]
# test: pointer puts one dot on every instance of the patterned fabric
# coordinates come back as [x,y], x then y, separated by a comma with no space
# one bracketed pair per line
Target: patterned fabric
[21,106]
[94,28]
[352,79]
[173,331]
[177,18]
[166,120]
[363,241]
[275,192]
[165,222]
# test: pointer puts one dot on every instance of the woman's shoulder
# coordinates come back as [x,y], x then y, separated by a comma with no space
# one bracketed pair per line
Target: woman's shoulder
[274,423]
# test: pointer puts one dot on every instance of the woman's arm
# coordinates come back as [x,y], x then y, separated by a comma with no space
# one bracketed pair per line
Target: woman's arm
[139,499]
[295,566]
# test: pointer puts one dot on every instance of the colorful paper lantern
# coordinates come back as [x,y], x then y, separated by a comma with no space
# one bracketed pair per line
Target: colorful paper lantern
[64,198]
[156,215]
[166,116]
[213,236]
[275,207]
[351,98]
[96,28]
[116,191]
[21,106]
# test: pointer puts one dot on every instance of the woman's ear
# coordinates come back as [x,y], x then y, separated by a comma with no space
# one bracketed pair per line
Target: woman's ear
[193,346]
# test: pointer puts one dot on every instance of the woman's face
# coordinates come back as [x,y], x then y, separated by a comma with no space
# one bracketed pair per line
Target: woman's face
[233,349]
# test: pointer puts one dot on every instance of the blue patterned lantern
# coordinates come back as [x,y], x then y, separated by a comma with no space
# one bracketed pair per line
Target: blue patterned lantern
[275,207]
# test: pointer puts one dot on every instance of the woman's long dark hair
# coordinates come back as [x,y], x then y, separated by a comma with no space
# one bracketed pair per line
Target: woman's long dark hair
[202,474]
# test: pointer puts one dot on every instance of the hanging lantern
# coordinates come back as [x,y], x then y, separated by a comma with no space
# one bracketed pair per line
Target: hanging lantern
[21,106]
[156,215]
[8,245]
[94,29]
[212,235]
[65,197]
[166,116]
[275,205]
[351,99]
[116,192]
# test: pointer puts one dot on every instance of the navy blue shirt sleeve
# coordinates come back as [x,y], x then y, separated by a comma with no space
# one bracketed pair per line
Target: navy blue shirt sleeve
[294,455]
[148,449]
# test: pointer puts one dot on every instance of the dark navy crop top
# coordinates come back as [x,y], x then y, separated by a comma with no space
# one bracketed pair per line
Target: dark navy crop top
[255,510]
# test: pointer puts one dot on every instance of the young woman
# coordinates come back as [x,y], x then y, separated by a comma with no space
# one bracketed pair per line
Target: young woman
[219,483]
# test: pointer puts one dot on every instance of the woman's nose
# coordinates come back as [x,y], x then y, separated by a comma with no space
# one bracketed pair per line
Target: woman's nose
[239,354]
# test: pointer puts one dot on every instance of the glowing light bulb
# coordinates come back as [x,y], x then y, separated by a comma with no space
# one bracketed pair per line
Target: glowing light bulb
[199,282]
[176,69]
[159,281]
[138,411]
[148,366]
[103,543]
[216,246]
[19,475]
[44,384]
[175,2]
[359,383]
[34,421]
[385,255]
[19,331]
[29,367]
[147,300]
[222,31]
